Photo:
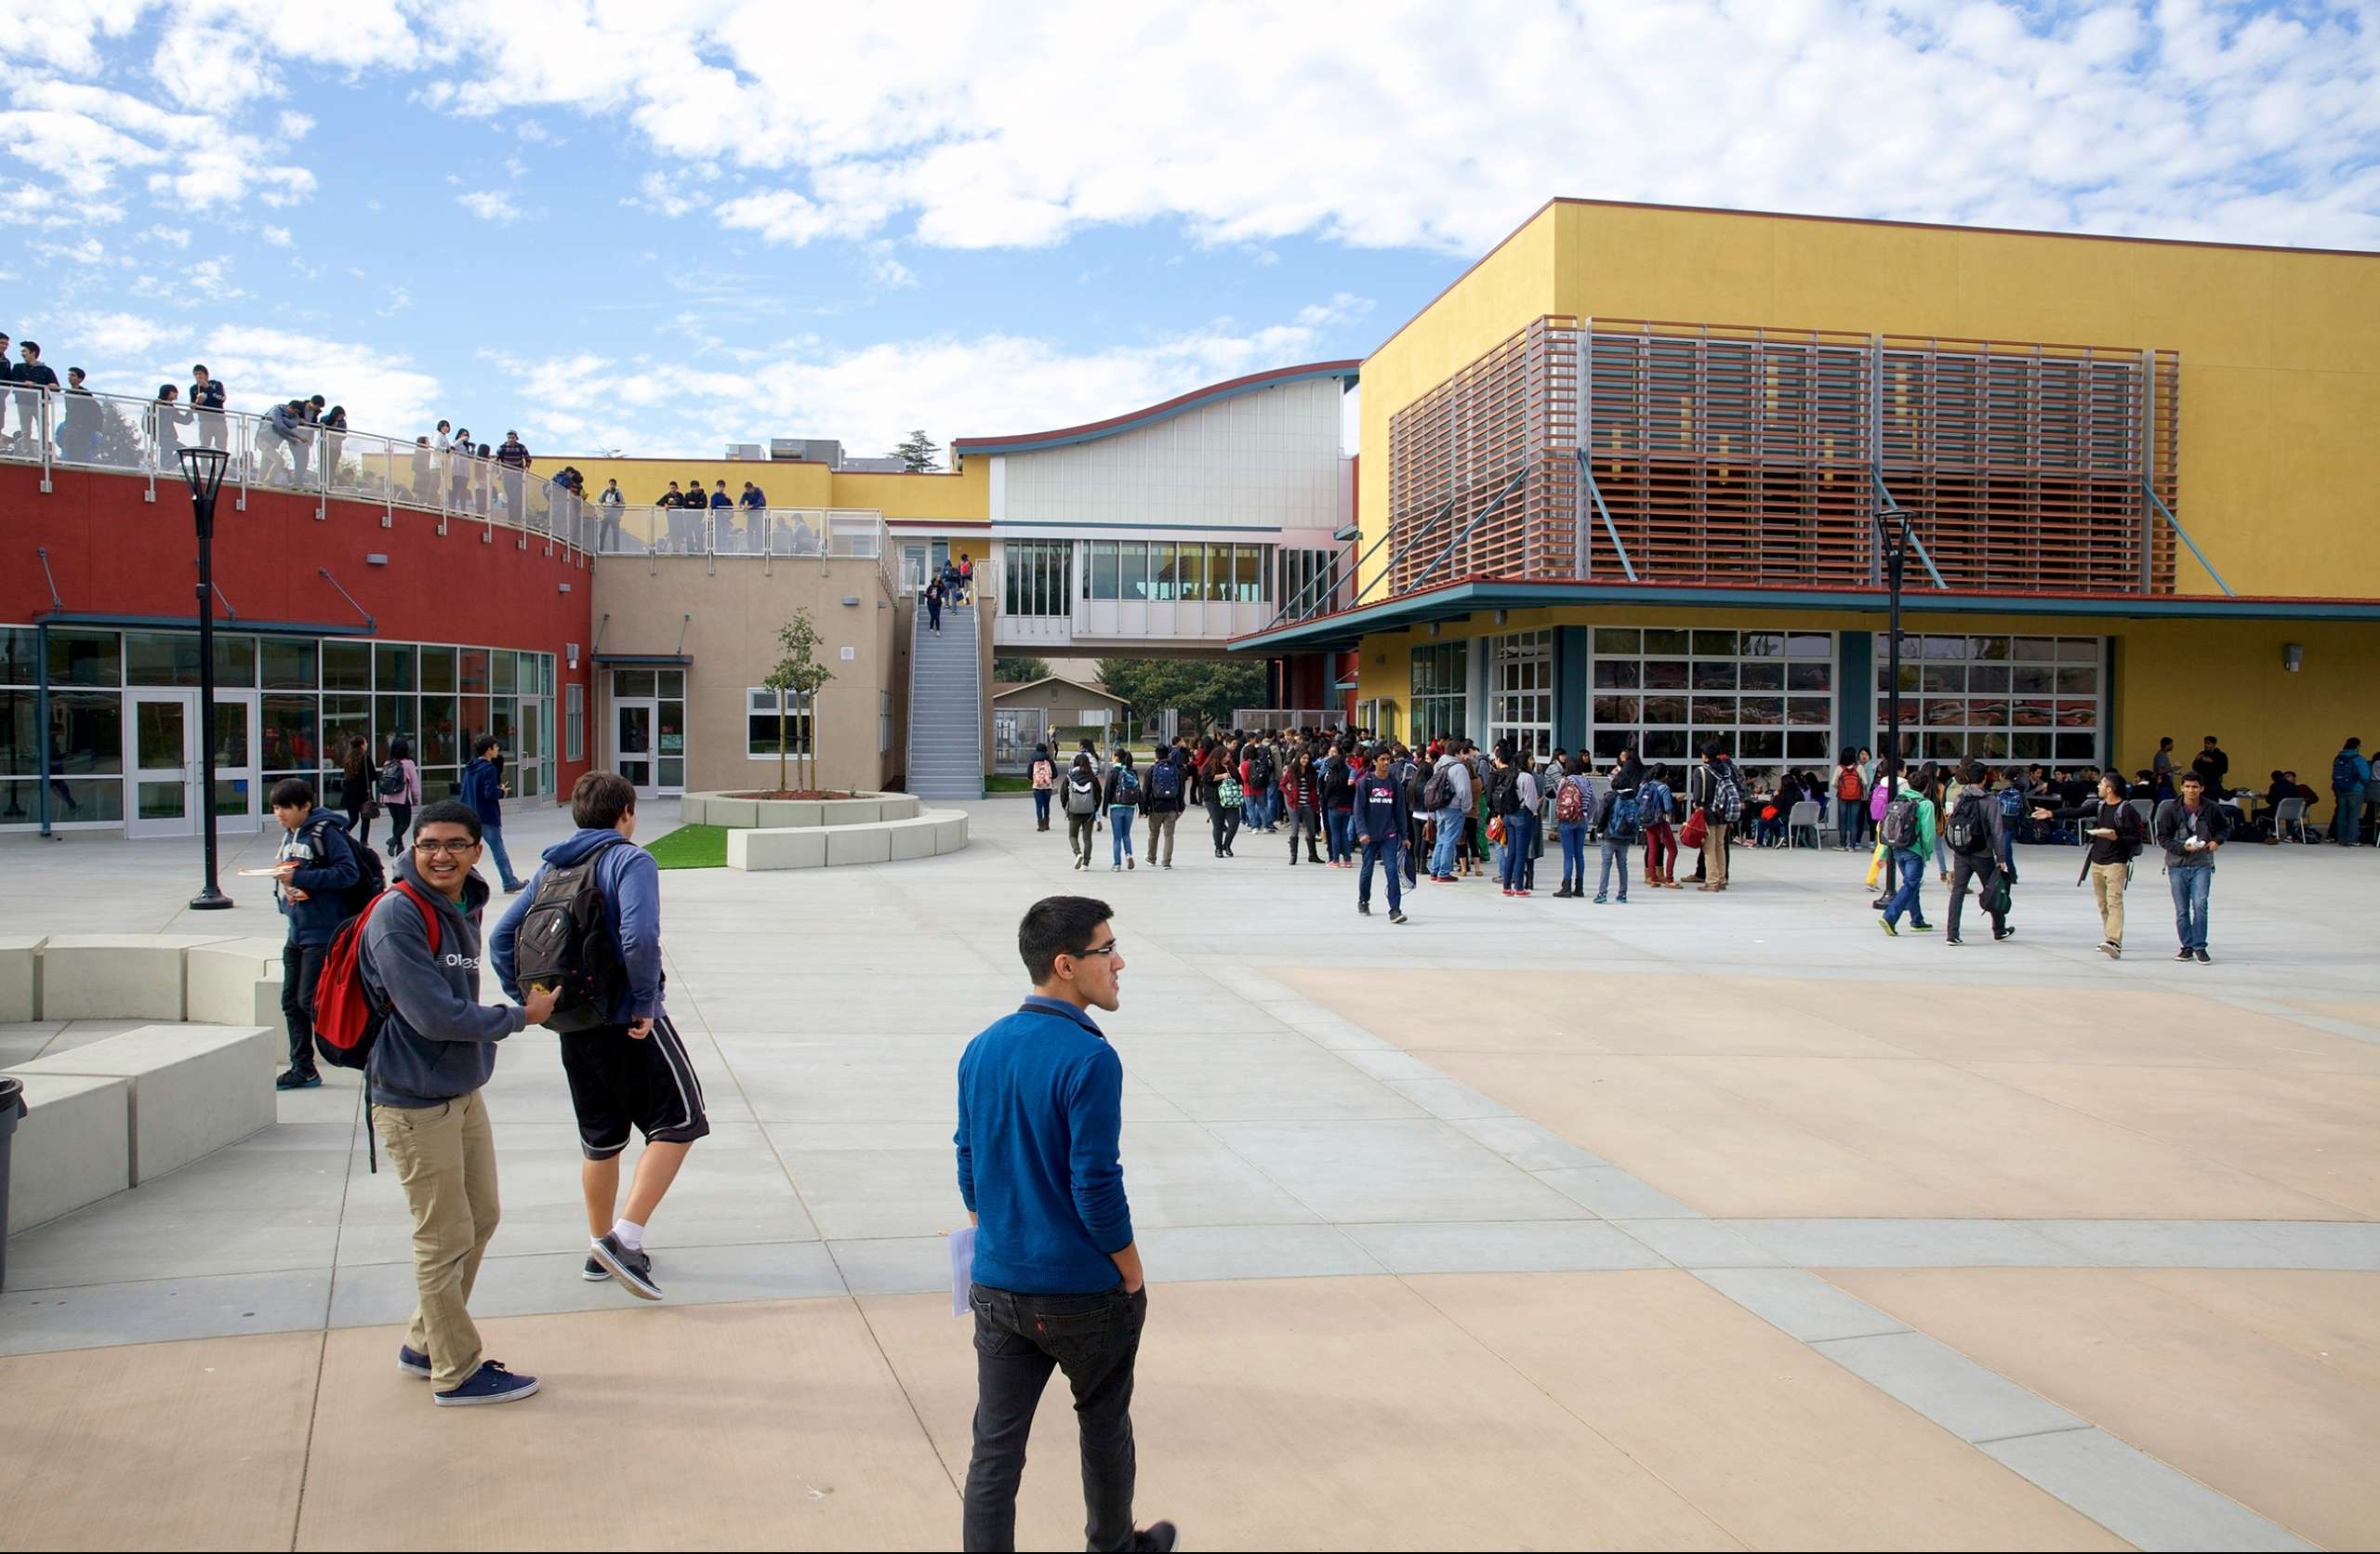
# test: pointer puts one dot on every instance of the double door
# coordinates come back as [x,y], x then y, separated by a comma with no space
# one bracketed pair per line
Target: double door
[649,743]
[163,760]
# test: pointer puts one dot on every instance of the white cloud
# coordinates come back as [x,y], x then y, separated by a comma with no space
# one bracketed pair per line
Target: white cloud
[279,237]
[890,273]
[383,391]
[105,336]
[489,204]
[669,196]
[178,237]
[294,126]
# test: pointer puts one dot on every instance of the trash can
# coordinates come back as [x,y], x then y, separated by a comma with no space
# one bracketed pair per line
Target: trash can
[12,1106]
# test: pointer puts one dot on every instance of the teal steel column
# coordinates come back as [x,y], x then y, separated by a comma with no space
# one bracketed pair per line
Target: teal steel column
[1570,687]
[1854,691]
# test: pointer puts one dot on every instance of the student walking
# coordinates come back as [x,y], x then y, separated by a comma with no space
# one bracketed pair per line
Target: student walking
[1057,1282]
[1619,820]
[1162,796]
[1301,792]
[1971,830]
[1658,805]
[433,1057]
[312,873]
[2350,780]
[1123,801]
[1717,793]
[627,1065]
[1382,824]
[1339,774]
[358,783]
[2114,829]
[1906,835]
[2191,829]
[1449,795]
[933,605]
[1850,802]
[1223,798]
[399,789]
[1045,782]
[1081,796]
[485,791]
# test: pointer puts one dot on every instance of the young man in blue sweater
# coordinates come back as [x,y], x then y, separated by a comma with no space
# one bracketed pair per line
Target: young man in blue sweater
[1057,1282]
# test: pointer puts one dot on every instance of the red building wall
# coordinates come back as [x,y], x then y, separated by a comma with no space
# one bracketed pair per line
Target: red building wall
[110,551]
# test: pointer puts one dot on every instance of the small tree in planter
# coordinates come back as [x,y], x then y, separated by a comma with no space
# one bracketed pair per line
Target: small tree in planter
[799,673]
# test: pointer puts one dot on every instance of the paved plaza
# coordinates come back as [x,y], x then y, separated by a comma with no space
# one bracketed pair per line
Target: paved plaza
[1705,1221]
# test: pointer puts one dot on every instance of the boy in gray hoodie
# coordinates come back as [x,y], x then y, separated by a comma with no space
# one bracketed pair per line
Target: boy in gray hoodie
[436,1050]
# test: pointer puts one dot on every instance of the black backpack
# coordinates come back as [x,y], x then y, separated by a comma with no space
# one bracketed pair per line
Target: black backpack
[391,786]
[566,942]
[1899,829]
[1504,792]
[1970,829]
[2343,771]
[1260,771]
[1439,792]
[371,876]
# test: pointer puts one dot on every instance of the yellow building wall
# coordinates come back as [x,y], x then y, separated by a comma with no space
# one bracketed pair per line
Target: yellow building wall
[2187,679]
[2279,351]
[963,497]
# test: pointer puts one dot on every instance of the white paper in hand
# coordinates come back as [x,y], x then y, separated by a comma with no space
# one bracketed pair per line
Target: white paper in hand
[962,1268]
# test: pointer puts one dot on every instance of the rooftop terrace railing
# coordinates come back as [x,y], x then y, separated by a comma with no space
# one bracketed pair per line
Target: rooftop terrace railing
[81,430]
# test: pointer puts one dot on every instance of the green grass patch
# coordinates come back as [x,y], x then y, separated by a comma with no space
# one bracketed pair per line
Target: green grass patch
[691,847]
[996,783]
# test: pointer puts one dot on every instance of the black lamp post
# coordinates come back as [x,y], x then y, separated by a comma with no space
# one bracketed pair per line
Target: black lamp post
[1893,529]
[202,468]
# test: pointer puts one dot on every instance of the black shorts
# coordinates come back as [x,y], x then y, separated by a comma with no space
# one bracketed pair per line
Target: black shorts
[618,1082]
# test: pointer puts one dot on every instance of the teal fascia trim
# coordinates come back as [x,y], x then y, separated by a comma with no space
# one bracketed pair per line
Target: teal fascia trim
[1462,599]
[189,624]
[1854,691]
[1199,402]
[1570,687]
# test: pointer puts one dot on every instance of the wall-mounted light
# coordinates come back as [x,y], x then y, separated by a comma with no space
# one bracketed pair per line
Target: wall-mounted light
[1434,628]
[2292,656]
[851,600]
[376,559]
[570,652]
[1500,617]
[563,588]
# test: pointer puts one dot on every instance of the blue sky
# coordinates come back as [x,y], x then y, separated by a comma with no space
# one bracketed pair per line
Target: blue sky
[665,227]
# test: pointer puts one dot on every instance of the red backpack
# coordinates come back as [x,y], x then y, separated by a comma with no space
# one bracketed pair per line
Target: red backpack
[346,1020]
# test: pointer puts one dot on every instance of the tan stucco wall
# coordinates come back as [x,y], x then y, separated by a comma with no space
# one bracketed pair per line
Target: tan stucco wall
[737,609]
[1058,697]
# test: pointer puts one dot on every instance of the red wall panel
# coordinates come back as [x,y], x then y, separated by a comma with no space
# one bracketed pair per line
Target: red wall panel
[112,552]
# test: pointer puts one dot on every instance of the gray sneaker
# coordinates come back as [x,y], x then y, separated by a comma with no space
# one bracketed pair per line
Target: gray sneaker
[634,1269]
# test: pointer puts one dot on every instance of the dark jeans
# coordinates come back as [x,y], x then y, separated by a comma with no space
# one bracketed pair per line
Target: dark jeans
[1984,868]
[1226,825]
[1019,1340]
[400,817]
[300,964]
[1905,899]
[359,825]
[1382,850]
[2189,886]
[494,837]
[1041,808]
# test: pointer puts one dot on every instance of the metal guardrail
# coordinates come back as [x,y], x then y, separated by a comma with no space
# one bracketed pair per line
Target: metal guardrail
[81,430]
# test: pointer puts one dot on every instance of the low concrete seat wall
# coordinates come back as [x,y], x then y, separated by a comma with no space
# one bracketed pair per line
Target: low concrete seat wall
[817,847]
[741,814]
[116,976]
[19,979]
[74,1147]
[235,982]
[190,1089]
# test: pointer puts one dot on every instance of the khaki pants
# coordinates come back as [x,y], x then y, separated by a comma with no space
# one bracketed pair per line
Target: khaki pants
[1161,824]
[2107,881]
[445,1158]
[1714,854]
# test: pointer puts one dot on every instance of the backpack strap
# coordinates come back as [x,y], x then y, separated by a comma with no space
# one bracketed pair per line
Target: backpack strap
[428,913]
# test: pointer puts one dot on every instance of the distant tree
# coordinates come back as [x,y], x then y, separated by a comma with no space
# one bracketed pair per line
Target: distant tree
[1206,691]
[798,674]
[1020,671]
[921,454]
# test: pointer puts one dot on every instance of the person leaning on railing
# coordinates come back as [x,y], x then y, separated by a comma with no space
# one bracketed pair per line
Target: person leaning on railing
[163,416]
[206,394]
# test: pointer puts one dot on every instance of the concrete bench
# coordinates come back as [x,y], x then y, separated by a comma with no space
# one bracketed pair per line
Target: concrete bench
[191,1089]
[235,981]
[19,979]
[116,976]
[923,835]
[713,809]
[74,1147]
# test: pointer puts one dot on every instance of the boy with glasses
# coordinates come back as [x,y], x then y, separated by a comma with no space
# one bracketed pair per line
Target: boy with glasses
[435,1054]
[1058,1281]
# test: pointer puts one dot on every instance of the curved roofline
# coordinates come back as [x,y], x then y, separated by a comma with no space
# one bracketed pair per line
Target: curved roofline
[1090,431]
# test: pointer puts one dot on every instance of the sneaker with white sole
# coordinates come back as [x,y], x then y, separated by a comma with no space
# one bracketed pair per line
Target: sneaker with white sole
[413,1361]
[594,1272]
[633,1270]
[490,1383]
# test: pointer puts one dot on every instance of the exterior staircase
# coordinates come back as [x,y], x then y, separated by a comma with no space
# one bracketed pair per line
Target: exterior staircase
[945,707]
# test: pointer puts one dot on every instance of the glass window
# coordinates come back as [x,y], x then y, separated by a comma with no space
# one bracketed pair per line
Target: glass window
[1440,681]
[344,717]
[1785,716]
[235,661]
[347,665]
[1619,639]
[2013,685]
[1247,571]
[504,667]
[290,742]
[85,658]
[441,732]
[632,683]
[1716,644]
[18,648]
[1132,564]
[574,723]
[669,684]
[1219,574]
[762,726]
[393,717]
[286,664]
[474,671]
[160,658]
[1164,571]
[1104,582]
[1521,687]
[438,669]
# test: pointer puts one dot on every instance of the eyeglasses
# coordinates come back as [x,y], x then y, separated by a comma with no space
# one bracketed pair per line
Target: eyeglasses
[1106,949]
[452,849]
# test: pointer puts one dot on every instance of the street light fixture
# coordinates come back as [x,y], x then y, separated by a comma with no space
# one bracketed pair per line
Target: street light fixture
[202,468]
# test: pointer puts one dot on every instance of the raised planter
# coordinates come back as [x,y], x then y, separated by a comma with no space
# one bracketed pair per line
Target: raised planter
[923,835]
[745,814]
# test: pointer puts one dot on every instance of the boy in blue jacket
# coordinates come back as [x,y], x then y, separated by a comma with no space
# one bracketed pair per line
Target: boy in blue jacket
[485,791]
[1382,823]
[1057,1277]
[312,873]
[632,1070]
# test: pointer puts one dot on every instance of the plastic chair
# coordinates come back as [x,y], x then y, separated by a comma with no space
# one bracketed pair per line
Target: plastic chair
[2289,816]
[1805,813]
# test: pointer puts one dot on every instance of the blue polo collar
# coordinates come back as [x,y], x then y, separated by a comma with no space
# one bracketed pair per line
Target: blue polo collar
[1036,1003]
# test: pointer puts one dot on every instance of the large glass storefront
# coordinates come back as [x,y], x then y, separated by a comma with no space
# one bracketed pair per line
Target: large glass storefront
[123,720]
[2035,699]
[1520,692]
[1767,696]
[1441,689]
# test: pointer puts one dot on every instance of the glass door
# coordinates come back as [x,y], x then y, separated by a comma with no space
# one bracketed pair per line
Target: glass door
[162,758]
[633,752]
[239,806]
